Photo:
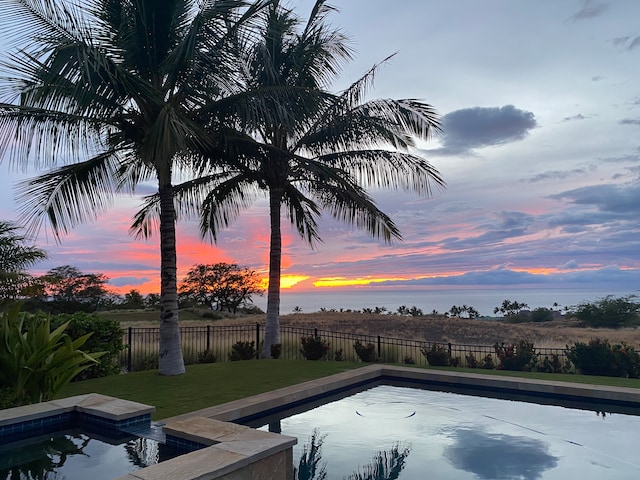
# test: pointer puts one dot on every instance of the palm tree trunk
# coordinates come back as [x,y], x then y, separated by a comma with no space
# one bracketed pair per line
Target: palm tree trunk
[272,325]
[171,361]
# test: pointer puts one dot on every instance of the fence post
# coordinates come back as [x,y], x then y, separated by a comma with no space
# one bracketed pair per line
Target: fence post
[208,338]
[129,343]
[257,341]
[315,332]
[379,348]
[449,349]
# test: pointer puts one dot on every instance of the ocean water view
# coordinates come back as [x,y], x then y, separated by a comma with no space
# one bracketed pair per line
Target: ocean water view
[482,299]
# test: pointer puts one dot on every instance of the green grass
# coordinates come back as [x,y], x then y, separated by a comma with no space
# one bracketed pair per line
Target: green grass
[558,377]
[211,384]
[206,385]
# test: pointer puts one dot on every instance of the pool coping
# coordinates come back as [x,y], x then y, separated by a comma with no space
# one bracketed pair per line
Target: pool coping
[341,384]
[93,408]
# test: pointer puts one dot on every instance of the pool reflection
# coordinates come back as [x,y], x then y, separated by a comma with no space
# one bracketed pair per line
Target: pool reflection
[499,457]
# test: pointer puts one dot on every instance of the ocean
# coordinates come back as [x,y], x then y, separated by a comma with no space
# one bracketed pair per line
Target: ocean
[484,300]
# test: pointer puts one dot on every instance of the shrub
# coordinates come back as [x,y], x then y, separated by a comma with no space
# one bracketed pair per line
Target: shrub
[207,356]
[313,348]
[552,364]
[242,351]
[36,362]
[106,337]
[212,316]
[471,360]
[276,350]
[366,353]
[541,314]
[409,360]
[338,355]
[598,357]
[487,363]
[150,361]
[519,357]
[608,312]
[437,355]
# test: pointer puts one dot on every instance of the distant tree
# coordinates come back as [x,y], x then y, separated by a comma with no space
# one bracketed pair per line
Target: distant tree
[415,312]
[402,310]
[464,311]
[152,300]
[133,300]
[509,308]
[67,284]
[609,312]
[541,314]
[221,286]
[15,257]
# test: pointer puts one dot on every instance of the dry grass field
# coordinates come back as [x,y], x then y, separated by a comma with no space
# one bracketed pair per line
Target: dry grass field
[555,334]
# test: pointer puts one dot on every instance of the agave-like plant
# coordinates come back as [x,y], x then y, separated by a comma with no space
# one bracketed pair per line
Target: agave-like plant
[36,362]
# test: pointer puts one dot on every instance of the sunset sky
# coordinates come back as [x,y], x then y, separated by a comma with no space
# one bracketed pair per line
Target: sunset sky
[540,103]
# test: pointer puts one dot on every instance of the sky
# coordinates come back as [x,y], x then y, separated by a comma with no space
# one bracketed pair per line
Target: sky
[540,108]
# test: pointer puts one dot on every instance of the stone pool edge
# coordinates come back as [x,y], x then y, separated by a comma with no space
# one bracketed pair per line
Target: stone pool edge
[318,389]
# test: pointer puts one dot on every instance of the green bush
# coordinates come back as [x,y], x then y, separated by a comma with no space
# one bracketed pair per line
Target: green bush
[608,312]
[276,350]
[366,353]
[207,356]
[243,351]
[106,337]
[436,355]
[541,314]
[36,362]
[313,348]
[518,357]
[599,357]
[552,364]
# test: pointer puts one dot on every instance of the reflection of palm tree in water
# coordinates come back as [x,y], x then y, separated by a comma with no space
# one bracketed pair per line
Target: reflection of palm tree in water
[385,465]
[46,457]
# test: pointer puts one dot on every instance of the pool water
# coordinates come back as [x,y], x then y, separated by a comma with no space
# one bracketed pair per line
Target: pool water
[431,434]
[74,454]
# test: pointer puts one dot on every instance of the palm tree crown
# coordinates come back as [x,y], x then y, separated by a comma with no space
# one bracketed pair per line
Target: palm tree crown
[108,94]
[323,151]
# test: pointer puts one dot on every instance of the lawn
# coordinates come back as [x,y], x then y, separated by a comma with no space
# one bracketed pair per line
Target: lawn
[206,385]
[211,384]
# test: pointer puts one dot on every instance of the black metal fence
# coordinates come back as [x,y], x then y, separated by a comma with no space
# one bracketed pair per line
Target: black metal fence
[214,343]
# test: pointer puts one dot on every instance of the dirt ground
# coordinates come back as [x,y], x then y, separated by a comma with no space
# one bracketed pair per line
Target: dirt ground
[556,334]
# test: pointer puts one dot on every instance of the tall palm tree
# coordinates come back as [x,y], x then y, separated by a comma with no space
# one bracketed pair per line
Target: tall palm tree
[107,94]
[321,153]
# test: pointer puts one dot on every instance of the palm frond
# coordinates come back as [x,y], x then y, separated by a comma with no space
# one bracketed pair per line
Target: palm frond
[69,195]
[387,169]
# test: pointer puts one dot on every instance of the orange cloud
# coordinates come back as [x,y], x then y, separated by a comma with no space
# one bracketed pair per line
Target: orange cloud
[348,282]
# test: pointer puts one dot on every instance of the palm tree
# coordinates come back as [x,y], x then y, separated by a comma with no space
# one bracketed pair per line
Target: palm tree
[320,154]
[108,94]
[15,257]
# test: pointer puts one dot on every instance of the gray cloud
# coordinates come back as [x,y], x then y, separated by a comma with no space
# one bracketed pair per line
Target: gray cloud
[630,121]
[571,264]
[623,199]
[555,175]
[590,9]
[574,117]
[123,281]
[477,127]
[610,275]
[628,42]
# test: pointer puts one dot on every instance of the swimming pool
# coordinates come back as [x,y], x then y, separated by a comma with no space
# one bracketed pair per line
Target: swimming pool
[79,454]
[439,434]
